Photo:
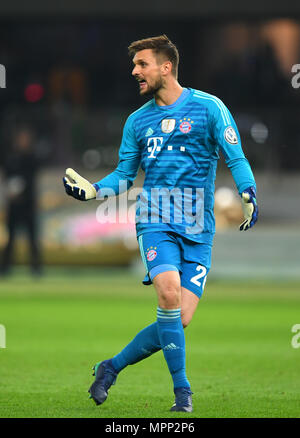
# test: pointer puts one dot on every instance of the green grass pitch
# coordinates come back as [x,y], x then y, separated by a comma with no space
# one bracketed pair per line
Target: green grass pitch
[240,361]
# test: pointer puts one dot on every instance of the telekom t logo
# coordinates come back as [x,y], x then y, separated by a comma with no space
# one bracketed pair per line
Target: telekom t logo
[2,76]
[156,145]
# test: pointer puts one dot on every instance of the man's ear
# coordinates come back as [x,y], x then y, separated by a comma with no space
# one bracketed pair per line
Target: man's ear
[166,67]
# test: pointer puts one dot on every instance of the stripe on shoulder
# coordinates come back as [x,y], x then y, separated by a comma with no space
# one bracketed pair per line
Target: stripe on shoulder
[143,107]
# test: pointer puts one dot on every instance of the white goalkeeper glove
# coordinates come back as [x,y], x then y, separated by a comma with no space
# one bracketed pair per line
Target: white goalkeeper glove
[250,208]
[78,187]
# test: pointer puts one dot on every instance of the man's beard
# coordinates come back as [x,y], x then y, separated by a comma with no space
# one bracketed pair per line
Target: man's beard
[152,90]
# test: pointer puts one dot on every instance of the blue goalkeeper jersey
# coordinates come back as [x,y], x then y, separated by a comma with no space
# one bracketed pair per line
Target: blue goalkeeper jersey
[177,146]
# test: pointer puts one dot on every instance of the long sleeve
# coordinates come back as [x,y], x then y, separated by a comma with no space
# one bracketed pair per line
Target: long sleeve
[227,138]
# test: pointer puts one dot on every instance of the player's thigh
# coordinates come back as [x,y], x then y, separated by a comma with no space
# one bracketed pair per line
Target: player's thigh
[195,265]
[162,260]
[160,253]
[193,279]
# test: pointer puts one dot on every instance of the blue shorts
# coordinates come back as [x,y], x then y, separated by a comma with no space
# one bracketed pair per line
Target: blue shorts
[168,251]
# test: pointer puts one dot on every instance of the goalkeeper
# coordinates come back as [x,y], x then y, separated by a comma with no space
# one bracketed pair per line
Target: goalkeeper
[176,138]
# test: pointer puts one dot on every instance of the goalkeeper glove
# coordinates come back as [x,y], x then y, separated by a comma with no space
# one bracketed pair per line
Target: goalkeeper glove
[78,187]
[250,208]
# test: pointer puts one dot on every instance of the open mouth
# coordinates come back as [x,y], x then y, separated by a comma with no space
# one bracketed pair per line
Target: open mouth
[142,83]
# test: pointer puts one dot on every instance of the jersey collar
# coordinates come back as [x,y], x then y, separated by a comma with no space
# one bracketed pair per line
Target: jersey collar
[184,95]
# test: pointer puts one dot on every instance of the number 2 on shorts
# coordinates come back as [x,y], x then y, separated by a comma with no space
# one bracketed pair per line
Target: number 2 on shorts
[197,277]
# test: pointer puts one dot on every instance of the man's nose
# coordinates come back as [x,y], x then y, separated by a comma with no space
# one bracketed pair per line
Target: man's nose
[135,71]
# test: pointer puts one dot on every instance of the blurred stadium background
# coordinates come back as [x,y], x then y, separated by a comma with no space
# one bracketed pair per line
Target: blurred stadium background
[68,76]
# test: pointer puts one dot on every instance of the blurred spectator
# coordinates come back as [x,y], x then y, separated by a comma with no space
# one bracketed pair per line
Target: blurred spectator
[252,77]
[20,170]
[68,84]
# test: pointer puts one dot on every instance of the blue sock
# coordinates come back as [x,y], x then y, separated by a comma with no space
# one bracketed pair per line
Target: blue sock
[172,340]
[143,345]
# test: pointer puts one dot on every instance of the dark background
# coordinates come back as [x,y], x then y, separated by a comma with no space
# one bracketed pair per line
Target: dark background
[77,53]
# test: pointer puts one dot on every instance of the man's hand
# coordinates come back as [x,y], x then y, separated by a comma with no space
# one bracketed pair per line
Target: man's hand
[78,187]
[250,208]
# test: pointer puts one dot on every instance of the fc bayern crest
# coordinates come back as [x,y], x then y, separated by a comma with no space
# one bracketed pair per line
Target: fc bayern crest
[185,127]
[151,255]
[168,125]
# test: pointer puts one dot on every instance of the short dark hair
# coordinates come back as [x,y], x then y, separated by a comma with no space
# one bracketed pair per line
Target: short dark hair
[161,45]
